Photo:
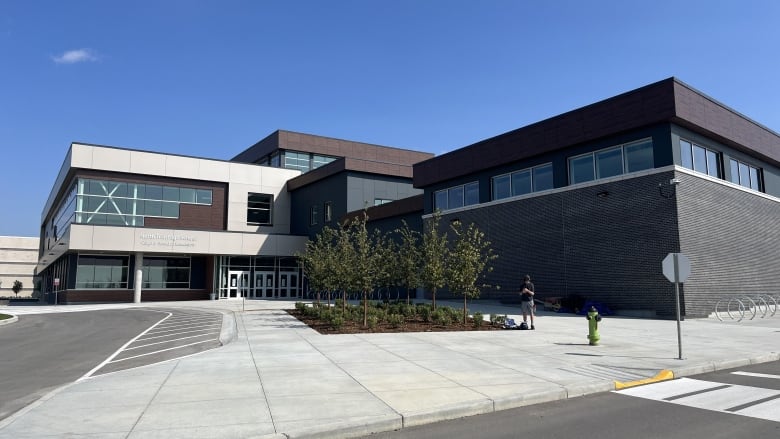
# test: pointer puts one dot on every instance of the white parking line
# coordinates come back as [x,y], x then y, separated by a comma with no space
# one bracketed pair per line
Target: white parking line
[161,350]
[171,340]
[758,375]
[179,332]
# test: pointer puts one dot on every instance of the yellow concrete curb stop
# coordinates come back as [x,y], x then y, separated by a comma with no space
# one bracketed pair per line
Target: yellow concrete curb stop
[663,375]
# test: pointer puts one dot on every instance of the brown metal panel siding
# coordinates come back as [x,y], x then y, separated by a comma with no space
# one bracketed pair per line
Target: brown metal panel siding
[638,108]
[700,113]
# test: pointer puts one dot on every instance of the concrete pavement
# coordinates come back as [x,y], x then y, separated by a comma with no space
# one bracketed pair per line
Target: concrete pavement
[275,377]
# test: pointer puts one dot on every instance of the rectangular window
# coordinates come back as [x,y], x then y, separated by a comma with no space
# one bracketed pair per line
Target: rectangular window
[328,212]
[501,187]
[745,175]
[638,156]
[313,215]
[699,159]
[381,201]
[455,197]
[440,200]
[259,208]
[609,162]
[101,272]
[471,195]
[543,177]
[166,272]
[521,182]
[581,169]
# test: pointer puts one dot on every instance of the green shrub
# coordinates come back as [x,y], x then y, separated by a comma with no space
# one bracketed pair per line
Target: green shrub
[478,319]
[396,320]
[497,319]
[300,306]
[336,321]
[408,310]
[441,316]
[424,312]
[373,321]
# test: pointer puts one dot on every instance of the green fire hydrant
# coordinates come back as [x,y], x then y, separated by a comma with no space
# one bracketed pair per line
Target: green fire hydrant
[593,326]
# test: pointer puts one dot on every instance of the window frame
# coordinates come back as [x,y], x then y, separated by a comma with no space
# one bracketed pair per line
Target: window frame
[313,215]
[593,155]
[510,176]
[690,155]
[270,208]
[737,179]
[327,211]
[463,188]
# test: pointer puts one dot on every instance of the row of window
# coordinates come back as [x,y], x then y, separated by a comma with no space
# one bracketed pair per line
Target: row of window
[707,161]
[111,272]
[608,162]
[302,161]
[327,213]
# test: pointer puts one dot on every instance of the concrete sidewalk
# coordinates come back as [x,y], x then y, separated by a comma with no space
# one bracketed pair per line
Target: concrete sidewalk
[278,378]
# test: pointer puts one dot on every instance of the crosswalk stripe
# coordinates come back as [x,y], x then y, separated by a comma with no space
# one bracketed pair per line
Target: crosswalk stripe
[756,402]
[757,375]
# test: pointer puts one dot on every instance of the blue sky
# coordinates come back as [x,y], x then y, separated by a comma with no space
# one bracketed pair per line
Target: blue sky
[210,78]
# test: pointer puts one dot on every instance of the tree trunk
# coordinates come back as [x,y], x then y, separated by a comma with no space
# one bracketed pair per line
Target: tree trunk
[433,299]
[464,310]
[407,295]
[365,310]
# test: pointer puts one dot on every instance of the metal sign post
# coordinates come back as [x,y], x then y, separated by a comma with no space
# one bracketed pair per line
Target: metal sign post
[677,268]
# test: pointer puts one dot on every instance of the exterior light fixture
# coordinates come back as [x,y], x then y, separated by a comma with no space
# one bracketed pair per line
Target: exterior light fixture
[602,194]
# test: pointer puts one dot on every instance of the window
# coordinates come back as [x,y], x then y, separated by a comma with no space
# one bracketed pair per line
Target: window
[297,160]
[166,272]
[745,175]
[612,161]
[313,215]
[101,272]
[328,212]
[259,209]
[699,158]
[127,204]
[456,196]
[381,201]
[522,182]
[320,160]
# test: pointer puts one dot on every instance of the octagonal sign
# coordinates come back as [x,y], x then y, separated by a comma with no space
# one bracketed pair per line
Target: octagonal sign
[676,267]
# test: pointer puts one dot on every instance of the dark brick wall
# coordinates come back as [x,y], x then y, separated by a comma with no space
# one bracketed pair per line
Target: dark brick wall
[607,249]
[732,238]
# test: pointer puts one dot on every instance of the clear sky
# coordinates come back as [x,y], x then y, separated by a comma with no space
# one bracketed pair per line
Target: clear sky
[210,78]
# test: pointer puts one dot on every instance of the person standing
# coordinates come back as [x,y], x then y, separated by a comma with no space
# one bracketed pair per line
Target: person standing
[527,300]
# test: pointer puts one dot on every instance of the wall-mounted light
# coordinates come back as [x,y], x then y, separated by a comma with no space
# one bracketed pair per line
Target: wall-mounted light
[602,194]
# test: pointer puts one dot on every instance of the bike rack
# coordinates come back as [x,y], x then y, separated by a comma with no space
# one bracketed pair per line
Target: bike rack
[739,307]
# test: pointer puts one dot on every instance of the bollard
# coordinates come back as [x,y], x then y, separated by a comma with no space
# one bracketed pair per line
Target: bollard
[593,326]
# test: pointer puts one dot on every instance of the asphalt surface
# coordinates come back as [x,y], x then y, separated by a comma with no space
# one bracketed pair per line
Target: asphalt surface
[276,378]
[617,415]
[43,352]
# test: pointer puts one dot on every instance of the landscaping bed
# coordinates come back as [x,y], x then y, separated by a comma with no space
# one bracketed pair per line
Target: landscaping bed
[389,318]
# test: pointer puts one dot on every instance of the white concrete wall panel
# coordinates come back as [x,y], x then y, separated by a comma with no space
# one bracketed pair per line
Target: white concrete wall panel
[81,156]
[182,167]
[113,238]
[147,163]
[212,170]
[81,236]
[111,159]
[256,244]
[19,242]
[245,174]
[18,256]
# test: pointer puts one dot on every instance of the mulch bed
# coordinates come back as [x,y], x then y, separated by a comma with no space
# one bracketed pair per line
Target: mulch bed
[411,325]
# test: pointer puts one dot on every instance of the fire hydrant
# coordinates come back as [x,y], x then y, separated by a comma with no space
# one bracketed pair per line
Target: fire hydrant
[593,326]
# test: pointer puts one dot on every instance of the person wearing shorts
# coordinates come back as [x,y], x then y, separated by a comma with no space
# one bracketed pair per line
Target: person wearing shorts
[527,300]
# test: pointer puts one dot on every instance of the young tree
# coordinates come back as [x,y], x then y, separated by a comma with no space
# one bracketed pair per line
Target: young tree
[368,268]
[407,266]
[434,256]
[17,287]
[468,262]
[318,262]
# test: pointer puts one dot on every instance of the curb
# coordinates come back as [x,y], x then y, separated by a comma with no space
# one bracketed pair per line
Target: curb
[13,319]
[228,332]
[663,375]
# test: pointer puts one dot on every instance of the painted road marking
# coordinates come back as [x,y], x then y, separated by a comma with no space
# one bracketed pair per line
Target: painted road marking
[755,402]
[757,375]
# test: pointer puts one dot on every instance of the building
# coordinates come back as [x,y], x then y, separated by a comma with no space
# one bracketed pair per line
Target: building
[591,201]
[18,256]
[129,225]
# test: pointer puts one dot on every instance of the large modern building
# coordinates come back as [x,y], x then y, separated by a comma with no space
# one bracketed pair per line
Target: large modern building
[130,225]
[591,201]
[588,202]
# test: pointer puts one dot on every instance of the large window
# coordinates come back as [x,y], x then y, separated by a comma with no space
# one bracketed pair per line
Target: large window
[456,196]
[166,272]
[313,215]
[259,209]
[297,160]
[522,182]
[612,161]
[101,272]
[699,158]
[745,175]
[327,211]
[127,204]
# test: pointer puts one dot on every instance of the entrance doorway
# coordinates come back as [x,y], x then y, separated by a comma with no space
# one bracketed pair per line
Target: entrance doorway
[264,284]
[288,284]
[238,284]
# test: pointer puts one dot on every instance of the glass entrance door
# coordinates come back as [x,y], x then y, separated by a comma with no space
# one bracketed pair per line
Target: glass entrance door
[288,284]
[238,284]
[264,284]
